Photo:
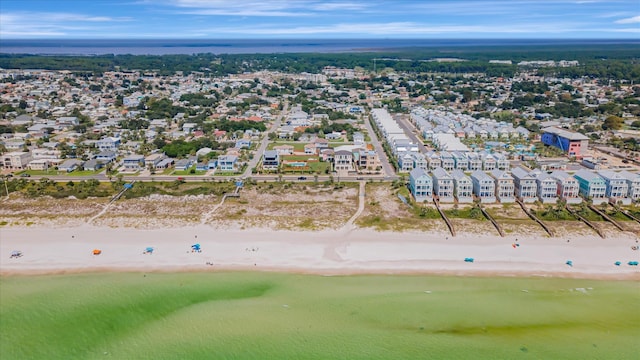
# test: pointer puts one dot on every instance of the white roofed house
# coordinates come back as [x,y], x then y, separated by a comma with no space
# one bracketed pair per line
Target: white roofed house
[405,162]
[420,185]
[16,160]
[547,187]
[633,183]
[474,161]
[108,144]
[525,185]
[343,161]
[568,187]
[434,160]
[592,186]
[443,185]
[462,186]
[617,187]
[489,162]
[133,162]
[448,162]
[502,162]
[460,161]
[484,186]
[419,160]
[505,188]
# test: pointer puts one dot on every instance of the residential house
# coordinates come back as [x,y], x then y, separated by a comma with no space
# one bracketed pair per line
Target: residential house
[70,165]
[16,160]
[434,160]
[202,166]
[108,144]
[443,186]
[592,186]
[633,183]
[405,162]
[133,163]
[243,144]
[420,185]
[183,164]
[270,160]
[460,161]
[419,160]
[228,163]
[368,161]
[525,185]
[505,188]
[153,160]
[310,149]
[502,162]
[448,162]
[547,187]
[617,187]
[343,161]
[39,164]
[462,186]
[488,162]
[358,138]
[106,156]
[484,186]
[165,163]
[284,149]
[474,161]
[93,165]
[568,187]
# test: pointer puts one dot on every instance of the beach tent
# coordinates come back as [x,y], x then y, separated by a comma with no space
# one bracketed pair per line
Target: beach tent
[632,263]
[196,248]
[617,263]
[97,251]
[468,259]
[148,250]
[569,262]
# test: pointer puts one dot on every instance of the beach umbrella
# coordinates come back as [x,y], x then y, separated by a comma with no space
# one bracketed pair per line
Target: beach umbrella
[148,250]
[569,262]
[195,246]
[617,263]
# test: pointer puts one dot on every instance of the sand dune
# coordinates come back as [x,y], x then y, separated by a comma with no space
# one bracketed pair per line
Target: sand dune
[65,250]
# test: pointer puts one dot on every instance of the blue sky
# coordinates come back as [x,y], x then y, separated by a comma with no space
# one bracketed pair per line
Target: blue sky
[254,19]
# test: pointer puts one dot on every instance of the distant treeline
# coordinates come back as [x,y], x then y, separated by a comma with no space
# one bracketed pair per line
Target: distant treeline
[616,62]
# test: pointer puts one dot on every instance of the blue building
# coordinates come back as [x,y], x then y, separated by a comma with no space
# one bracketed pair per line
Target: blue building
[572,143]
[420,185]
[592,186]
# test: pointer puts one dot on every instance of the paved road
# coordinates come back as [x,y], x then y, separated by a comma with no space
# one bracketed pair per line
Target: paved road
[409,129]
[384,160]
[203,178]
[265,141]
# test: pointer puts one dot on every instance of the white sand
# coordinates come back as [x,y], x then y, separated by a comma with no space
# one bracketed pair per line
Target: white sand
[49,250]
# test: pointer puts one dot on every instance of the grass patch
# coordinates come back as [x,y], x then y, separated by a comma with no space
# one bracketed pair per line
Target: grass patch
[278,316]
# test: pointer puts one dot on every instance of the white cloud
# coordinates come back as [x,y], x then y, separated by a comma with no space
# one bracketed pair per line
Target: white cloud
[42,24]
[631,20]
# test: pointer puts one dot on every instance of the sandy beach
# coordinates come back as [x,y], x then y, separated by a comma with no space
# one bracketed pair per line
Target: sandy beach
[332,252]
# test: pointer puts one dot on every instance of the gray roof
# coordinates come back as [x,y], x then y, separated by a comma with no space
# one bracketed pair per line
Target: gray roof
[565,133]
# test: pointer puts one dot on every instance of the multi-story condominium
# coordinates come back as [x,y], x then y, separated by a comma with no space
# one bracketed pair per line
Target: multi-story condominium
[368,160]
[484,186]
[633,183]
[488,162]
[525,185]
[16,160]
[421,185]
[443,185]
[547,187]
[448,162]
[462,186]
[460,161]
[474,161]
[505,188]
[568,187]
[617,187]
[592,186]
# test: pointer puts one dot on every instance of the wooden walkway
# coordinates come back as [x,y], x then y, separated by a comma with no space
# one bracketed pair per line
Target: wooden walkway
[591,225]
[444,217]
[490,218]
[535,218]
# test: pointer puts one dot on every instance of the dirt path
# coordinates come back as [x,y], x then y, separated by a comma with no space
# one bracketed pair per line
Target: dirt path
[333,249]
[207,216]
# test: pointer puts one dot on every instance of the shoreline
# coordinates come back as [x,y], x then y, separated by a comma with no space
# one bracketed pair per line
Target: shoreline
[327,252]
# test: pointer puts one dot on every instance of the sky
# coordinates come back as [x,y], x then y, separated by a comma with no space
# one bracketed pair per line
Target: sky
[319,19]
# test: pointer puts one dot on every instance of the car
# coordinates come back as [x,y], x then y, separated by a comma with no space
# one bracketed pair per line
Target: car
[302,178]
[180,178]
[25,175]
[359,178]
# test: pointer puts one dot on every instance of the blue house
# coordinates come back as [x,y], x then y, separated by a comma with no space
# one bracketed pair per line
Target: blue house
[420,185]
[243,144]
[592,186]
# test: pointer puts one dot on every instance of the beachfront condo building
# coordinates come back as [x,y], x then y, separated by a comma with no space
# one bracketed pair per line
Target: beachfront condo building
[505,188]
[525,184]
[592,186]
[443,185]
[568,187]
[420,185]
[484,186]
[462,187]
[617,187]
[633,183]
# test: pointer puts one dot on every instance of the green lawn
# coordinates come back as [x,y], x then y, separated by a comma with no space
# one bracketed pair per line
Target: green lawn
[280,316]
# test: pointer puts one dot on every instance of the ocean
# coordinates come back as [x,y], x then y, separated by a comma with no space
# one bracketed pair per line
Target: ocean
[264,46]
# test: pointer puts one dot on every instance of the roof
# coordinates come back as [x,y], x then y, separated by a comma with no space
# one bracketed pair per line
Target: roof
[588,175]
[571,135]
[418,172]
